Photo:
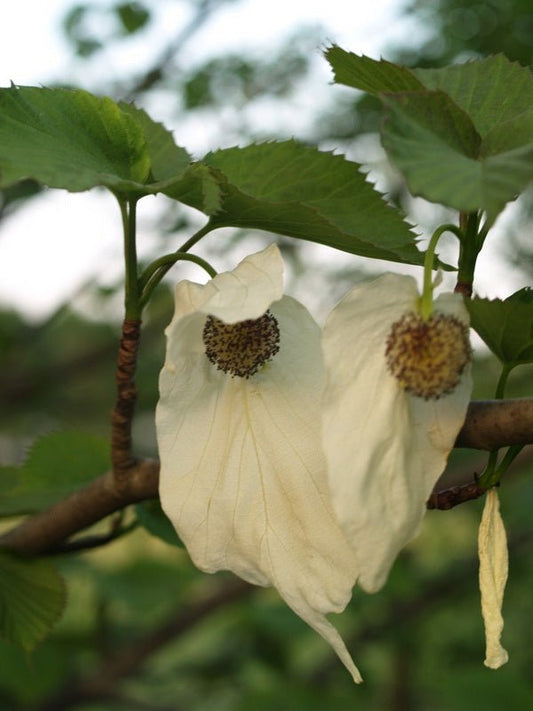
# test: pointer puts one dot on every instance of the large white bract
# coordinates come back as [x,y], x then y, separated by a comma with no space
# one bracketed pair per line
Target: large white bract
[385,447]
[243,475]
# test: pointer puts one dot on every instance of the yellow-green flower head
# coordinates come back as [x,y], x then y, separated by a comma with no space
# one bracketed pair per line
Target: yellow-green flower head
[243,474]
[428,356]
[397,391]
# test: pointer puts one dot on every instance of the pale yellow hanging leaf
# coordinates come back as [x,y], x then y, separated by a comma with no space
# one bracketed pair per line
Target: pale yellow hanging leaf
[493,569]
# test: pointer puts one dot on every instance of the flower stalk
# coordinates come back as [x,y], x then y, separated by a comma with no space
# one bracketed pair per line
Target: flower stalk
[426,300]
[155,271]
[494,471]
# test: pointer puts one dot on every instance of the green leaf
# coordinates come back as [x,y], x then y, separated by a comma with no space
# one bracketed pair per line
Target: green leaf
[468,142]
[152,517]
[292,189]
[514,134]
[32,599]
[505,326]
[507,152]
[437,148]
[492,91]
[57,465]
[168,161]
[370,75]
[74,140]
[69,139]
[198,187]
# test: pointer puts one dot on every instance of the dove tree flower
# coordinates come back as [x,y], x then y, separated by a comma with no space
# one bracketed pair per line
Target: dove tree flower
[396,396]
[243,475]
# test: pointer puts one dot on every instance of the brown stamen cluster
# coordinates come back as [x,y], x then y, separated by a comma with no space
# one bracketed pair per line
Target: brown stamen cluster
[241,348]
[428,356]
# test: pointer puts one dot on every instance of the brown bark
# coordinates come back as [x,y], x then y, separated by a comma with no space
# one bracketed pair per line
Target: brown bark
[40,533]
[455,495]
[122,458]
[491,424]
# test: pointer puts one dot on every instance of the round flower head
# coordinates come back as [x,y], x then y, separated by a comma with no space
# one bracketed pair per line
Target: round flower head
[397,390]
[243,475]
[427,356]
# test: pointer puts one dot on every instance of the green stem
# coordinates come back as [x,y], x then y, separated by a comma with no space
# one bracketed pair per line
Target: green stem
[494,471]
[470,247]
[493,474]
[509,457]
[502,381]
[128,210]
[486,480]
[170,259]
[426,301]
[481,235]
[197,236]
[155,271]
[151,276]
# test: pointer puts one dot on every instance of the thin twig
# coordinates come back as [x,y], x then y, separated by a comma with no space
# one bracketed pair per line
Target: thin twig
[121,418]
[455,495]
[41,533]
[91,542]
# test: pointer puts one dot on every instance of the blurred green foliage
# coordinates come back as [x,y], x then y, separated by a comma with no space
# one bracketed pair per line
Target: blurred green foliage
[82,24]
[460,29]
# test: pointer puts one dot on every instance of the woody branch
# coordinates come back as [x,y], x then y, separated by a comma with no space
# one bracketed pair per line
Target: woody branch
[122,459]
[489,425]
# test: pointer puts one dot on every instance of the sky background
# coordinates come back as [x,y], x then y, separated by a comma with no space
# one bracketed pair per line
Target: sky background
[50,248]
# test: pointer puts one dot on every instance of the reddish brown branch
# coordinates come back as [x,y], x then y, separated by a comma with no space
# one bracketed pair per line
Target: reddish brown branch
[41,533]
[122,458]
[455,495]
[489,425]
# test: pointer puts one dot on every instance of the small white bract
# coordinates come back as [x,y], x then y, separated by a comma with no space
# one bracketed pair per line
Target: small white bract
[243,475]
[493,569]
[396,397]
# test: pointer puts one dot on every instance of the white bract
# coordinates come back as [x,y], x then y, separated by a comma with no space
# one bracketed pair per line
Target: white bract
[243,475]
[385,445]
[493,569]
